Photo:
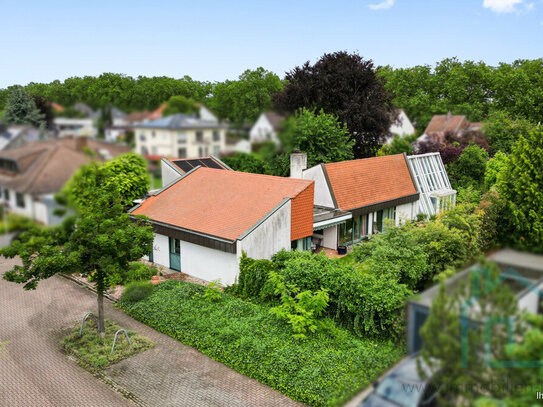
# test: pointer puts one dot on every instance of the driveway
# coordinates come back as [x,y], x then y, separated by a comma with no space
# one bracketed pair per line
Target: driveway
[33,372]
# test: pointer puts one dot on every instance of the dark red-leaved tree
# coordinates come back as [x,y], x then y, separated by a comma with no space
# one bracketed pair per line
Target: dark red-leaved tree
[345,85]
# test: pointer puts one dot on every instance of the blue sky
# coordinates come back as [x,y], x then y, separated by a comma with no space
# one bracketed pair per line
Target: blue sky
[216,40]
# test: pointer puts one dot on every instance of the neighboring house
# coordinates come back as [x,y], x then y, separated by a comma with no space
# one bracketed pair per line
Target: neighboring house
[16,136]
[401,127]
[173,168]
[432,181]
[180,135]
[440,125]
[266,128]
[205,114]
[526,282]
[75,127]
[112,134]
[30,175]
[354,199]
[118,117]
[235,145]
[136,117]
[205,220]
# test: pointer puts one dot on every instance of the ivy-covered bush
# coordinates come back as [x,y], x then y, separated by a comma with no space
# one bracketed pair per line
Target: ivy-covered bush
[368,303]
[326,369]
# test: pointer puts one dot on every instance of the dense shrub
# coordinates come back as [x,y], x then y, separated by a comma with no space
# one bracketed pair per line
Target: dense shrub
[396,254]
[365,302]
[326,369]
[138,272]
[253,276]
[136,291]
[469,168]
[493,229]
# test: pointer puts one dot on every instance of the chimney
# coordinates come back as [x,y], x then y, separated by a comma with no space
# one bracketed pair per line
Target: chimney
[298,163]
[80,143]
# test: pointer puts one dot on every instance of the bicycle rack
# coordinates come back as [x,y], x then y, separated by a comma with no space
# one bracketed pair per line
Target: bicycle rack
[115,339]
[88,314]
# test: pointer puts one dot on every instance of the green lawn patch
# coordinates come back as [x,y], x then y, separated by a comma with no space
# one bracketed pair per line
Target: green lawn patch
[326,369]
[94,354]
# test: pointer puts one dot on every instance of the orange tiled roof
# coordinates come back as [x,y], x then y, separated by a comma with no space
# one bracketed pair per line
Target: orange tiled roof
[441,124]
[226,204]
[368,181]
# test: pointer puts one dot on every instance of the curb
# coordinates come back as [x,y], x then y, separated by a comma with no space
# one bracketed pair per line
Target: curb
[87,286]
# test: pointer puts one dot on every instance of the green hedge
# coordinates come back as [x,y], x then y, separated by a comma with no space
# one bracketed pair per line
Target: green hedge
[369,303]
[327,369]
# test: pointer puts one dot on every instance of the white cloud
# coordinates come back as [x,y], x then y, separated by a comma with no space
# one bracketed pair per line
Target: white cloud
[503,6]
[386,4]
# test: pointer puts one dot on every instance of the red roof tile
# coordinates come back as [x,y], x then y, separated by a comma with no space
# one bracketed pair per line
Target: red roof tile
[226,204]
[368,181]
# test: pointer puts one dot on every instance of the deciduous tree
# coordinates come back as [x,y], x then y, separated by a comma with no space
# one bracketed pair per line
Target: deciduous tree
[347,86]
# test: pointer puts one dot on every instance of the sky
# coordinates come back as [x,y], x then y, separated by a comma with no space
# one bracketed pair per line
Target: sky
[217,40]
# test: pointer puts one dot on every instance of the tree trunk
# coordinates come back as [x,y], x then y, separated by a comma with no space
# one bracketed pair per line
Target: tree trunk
[101,326]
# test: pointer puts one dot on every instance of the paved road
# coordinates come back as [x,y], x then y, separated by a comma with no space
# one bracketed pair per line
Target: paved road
[33,372]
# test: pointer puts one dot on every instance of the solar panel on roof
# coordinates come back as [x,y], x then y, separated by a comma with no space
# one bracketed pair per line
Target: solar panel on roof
[187,165]
[183,165]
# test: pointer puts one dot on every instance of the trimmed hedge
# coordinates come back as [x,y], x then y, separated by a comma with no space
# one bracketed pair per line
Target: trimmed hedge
[326,369]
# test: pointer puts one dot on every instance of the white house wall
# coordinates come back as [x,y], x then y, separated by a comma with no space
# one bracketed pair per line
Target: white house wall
[403,126]
[530,301]
[167,173]
[406,212]
[209,264]
[270,236]
[323,197]
[329,237]
[161,250]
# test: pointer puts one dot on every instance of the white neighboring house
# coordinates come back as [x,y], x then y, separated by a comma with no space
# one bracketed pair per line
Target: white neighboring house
[205,219]
[31,175]
[180,135]
[432,181]
[205,114]
[401,127]
[75,127]
[357,198]
[266,128]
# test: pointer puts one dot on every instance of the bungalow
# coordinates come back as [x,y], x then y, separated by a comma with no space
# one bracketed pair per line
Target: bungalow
[205,219]
[31,175]
[354,199]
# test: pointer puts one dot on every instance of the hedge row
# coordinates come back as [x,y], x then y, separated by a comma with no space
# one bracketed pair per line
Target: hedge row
[326,369]
[369,303]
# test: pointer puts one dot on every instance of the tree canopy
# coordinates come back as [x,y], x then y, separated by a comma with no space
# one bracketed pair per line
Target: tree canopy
[21,109]
[347,86]
[99,243]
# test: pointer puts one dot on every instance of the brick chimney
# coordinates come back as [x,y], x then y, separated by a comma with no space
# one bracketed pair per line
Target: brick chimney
[298,163]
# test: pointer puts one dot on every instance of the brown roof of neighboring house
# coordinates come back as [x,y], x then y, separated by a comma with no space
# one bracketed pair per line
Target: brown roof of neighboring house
[359,183]
[43,167]
[136,117]
[157,113]
[226,204]
[441,124]
[275,119]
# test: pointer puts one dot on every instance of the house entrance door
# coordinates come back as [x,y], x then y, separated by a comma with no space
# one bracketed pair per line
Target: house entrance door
[175,254]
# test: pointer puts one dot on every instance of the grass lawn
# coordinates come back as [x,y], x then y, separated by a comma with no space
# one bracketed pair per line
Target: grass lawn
[94,354]
[327,369]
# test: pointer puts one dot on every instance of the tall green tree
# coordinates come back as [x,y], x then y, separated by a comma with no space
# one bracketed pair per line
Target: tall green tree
[347,86]
[21,109]
[244,99]
[103,240]
[320,135]
[127,174]
[522,186]
[503,131]
[469,168]
[180,104]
